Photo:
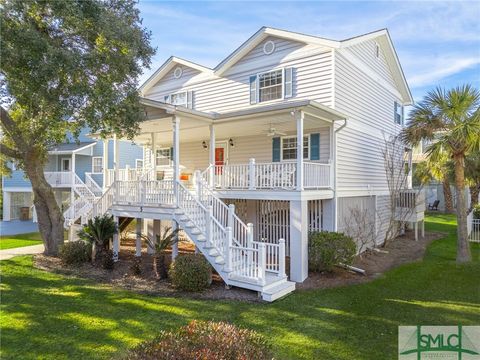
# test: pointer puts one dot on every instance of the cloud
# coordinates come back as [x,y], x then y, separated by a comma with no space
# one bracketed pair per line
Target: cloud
[431,70]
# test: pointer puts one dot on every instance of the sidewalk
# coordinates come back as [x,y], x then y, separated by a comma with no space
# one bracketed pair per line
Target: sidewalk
[26,250]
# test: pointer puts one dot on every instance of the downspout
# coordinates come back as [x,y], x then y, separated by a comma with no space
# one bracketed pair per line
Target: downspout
[335,225]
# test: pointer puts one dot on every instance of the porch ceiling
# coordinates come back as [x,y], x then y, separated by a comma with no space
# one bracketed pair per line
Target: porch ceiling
[194,125]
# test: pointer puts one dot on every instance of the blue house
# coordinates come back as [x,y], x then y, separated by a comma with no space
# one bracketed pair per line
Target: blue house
[79,171]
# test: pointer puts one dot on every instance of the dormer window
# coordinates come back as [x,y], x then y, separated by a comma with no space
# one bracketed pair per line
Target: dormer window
[271,85]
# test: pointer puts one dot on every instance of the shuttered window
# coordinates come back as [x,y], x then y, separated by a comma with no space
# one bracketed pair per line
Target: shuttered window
[289,147]
[271,85]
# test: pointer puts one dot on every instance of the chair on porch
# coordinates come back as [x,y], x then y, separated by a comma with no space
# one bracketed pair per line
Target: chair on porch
[434,206]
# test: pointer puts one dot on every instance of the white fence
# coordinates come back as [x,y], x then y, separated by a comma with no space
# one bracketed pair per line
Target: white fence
[473,228]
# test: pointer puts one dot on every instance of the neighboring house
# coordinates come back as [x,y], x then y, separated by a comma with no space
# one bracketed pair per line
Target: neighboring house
[76,170]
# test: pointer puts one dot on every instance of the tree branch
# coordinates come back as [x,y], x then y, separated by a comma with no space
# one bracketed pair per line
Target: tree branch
[11,128]
[5,150]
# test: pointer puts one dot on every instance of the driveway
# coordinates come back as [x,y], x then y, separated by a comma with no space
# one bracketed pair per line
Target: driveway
[15,227]
[26,250]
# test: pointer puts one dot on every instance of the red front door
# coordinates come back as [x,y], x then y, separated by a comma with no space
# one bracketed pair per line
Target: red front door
[219,160]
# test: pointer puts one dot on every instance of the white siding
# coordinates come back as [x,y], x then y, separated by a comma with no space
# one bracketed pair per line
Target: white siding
[313,74]
[370,110]
[383,217]
[194,157]
[366,51]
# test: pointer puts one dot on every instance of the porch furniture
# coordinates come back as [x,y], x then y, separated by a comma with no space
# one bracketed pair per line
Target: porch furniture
[434,206]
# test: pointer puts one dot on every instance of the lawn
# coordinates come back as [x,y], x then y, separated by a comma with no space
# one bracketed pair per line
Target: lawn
[21,240]
[50,316]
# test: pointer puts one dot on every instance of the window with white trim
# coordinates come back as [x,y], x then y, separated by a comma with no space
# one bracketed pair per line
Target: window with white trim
[163,156]
[270,85]
[97,164]
[289,147]
[139,163]
[398,113]
[183,98]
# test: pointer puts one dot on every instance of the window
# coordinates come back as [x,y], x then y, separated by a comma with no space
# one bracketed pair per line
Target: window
[289,147]
[163,156]
[139,163]
[398,113]
[377,50]
[97,164]
[65,164]
[270,85]
[184,98]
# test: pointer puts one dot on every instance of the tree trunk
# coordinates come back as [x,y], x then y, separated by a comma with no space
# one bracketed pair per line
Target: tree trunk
[447,195]
[463,247]
[49,215]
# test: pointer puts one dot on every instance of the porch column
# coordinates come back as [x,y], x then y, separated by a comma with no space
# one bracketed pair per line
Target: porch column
[176,155]
[153,159]
[72,180]
[138,240]
[211,150]
[116,158]
[175,246]
[298,240]
[105,163]
[116,240]
[7,196]
[299,117]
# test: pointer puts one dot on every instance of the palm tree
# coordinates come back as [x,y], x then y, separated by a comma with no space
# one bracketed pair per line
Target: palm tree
[451,120]
[98,232]
[429,170]
[165,240]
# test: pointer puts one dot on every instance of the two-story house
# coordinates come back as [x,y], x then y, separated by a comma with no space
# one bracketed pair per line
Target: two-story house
[282,137]
[77,170]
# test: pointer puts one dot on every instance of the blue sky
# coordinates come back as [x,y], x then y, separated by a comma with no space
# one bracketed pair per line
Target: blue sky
[438,42]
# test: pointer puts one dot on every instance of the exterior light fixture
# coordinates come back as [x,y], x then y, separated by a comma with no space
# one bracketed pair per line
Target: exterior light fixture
[204,145]
[230,142]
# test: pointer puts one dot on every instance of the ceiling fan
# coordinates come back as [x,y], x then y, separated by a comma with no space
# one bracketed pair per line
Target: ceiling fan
[272,131]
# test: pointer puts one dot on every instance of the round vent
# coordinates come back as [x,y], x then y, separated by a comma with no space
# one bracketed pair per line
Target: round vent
[177,72]
[269,47]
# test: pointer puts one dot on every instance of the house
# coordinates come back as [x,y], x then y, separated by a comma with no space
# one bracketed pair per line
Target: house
[77,170]
[282,137]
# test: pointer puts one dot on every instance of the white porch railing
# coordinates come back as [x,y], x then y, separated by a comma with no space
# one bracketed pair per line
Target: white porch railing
[92,185]
[59,178]
[129,174]
[275,175]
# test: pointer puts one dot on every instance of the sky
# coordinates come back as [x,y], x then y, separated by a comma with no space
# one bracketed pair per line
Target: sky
[438,43]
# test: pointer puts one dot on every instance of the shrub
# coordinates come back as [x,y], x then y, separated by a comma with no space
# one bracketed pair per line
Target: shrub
[204,340]
[98,231]
[191,272]
[476,211]
[107,260]
[136,266]
[327,249]
[75,252]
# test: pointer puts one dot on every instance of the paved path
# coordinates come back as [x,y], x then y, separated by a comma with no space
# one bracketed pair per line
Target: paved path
[15,227]
[26,250]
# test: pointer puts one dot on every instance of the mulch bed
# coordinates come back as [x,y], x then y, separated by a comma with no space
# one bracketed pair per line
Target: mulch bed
[403,250]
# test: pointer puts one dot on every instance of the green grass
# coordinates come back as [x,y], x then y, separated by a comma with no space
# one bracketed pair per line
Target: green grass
[21,240]
[50,316]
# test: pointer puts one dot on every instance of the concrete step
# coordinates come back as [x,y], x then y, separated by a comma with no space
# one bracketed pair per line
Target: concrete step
[213,252]
[278,291]
[219,260]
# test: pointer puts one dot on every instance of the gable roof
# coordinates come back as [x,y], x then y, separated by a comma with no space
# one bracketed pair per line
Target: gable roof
[168,65]
[381,36]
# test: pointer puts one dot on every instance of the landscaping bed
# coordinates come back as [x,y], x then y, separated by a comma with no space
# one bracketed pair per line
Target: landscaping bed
[402,250]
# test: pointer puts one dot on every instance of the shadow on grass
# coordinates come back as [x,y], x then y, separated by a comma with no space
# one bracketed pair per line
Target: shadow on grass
[51,316]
